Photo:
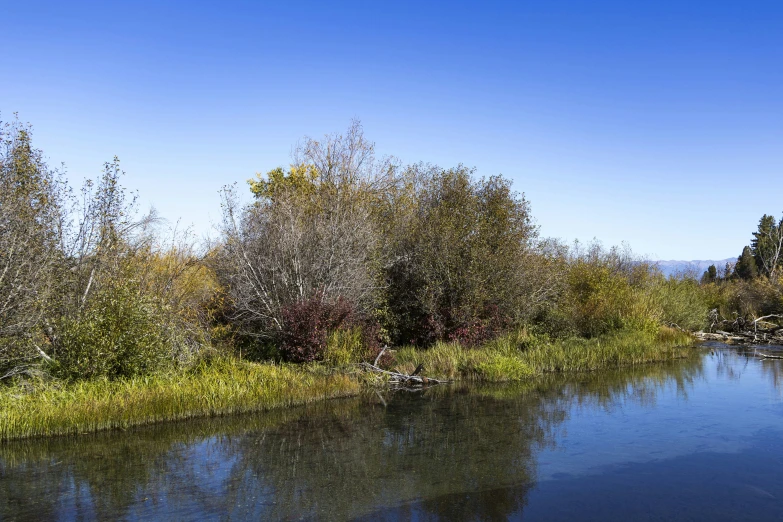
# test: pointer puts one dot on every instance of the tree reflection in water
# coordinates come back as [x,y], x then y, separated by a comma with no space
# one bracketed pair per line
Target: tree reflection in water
[458,452]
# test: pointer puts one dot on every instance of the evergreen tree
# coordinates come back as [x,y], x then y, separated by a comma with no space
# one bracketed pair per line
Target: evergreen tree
[710,275]
[746,267]
[727,271]
[765,245]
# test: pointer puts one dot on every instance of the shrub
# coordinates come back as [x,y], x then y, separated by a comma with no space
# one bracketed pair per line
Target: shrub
[473,331]
[597,298]
[308,325]
[682,302]
[456,258]
[610,290]
[119,333]
[739,301]
[309,232]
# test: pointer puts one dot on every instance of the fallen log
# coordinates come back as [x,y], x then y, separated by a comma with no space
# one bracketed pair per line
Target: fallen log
[759,330]
[401,379]
[743,336]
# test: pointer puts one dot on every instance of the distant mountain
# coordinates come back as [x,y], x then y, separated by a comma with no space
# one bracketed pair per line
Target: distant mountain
[698,266]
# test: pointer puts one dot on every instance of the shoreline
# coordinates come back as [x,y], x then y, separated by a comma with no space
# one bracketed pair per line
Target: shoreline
[231,386]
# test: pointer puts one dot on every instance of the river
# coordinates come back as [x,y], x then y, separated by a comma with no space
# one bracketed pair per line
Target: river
[697,439]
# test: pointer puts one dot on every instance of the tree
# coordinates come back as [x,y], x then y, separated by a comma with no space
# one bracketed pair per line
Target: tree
[728,269]
[310,232]
[300,179]
[112,319]
[746,265]
[710,275]
[31,231]
[767,245]
[108,232]
[456,268]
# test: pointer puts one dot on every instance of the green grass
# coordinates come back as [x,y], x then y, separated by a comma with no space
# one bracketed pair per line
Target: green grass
[223,387]
[518,356]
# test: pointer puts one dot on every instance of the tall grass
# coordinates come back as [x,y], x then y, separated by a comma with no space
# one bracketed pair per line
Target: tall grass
[222,387]
[519,355]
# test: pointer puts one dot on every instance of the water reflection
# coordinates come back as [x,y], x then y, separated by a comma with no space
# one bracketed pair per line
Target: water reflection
[451,453]
[733,363]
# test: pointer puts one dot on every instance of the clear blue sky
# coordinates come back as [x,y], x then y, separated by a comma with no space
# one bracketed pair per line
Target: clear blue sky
[658,123]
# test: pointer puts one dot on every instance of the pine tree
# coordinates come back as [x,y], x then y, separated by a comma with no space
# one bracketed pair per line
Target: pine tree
[767,245]
[710,275]
[746,267]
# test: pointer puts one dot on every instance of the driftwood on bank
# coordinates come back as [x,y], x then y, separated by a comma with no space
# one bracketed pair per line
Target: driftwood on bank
[743,336]
[749,340]
[741,331]
[401,379]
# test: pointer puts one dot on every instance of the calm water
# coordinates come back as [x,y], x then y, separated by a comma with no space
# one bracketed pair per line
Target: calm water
[700,439]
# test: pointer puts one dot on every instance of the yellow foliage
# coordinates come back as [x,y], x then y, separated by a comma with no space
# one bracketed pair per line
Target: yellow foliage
[300,178]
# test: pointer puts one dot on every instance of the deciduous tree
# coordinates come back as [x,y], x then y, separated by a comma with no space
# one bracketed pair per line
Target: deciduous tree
[31,232]
[310,232]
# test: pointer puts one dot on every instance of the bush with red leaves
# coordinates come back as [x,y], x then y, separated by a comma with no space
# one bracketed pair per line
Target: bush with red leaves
[469,329]
[307,324]
[473,331]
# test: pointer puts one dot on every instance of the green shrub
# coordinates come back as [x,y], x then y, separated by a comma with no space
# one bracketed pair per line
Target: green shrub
[345,346]
[457,259]
[682,302]
[119,333]
[603,299]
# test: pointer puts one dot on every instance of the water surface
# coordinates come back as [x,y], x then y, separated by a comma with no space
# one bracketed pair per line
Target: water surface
[698,439]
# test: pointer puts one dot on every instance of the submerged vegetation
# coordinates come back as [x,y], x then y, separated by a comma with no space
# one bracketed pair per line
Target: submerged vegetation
[108,321]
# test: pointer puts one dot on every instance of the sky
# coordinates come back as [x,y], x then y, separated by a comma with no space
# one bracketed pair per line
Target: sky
[655,123]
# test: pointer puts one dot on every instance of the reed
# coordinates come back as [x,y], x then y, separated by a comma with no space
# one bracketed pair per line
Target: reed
[224,386]
[221,387]
[518,355]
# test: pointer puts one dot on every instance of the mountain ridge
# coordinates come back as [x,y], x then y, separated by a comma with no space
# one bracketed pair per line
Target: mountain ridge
[674,266]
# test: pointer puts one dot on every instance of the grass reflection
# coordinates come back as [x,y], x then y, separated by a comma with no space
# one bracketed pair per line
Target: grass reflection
[343,458]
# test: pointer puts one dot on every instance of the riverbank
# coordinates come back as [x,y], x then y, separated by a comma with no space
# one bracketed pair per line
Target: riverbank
[223,387]
[502,359]
[228,386]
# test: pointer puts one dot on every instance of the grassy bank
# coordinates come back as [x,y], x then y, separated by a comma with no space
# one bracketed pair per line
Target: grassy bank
[221,388]
[518,356]
[227,386]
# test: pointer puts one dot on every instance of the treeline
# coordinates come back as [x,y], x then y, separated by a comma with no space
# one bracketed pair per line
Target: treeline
[741,292]
[344,251]
[87,286]
[338,254]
